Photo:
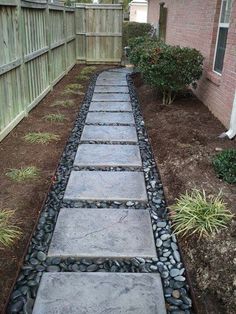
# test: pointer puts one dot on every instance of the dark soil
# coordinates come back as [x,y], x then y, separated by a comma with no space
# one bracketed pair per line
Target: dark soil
[184,138]
[27,198]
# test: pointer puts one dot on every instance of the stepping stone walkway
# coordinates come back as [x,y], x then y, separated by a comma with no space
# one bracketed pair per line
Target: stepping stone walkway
[107,167]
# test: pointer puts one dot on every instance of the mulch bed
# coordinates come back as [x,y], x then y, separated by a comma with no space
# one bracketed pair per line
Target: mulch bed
[184,138]
[27,198]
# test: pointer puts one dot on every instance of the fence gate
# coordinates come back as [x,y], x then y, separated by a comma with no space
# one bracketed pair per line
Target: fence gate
[99,33]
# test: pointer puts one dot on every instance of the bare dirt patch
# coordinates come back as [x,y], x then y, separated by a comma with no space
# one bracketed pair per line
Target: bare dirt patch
[26,198]
[184,138]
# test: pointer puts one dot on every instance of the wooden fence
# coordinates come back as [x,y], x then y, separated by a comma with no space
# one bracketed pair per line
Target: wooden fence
[99,33]
[40,42]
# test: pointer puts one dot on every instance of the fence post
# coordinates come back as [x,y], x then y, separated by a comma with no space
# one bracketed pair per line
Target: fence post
[65,36]
[48,35]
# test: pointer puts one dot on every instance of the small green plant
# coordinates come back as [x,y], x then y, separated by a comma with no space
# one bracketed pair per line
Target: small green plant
[88,70]
[195,213]
[40,137]
[55,117]
[82,77]
[225,165]
[8,231]
[23,174]
[73,89]
[63,103]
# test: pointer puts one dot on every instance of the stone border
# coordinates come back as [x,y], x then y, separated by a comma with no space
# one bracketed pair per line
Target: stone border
[168,263]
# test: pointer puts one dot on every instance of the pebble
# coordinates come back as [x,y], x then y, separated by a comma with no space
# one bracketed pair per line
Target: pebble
[180,278]
[92,267]
[17,307]
[174,272]
[41,256]
[159,243]
[161,224]
[176,256]
[53,268]
[176,294]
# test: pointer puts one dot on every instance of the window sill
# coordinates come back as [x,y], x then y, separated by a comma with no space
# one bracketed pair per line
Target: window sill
[214,77]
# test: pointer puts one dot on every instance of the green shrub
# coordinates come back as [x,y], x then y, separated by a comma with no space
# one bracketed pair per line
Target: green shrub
[132,30]
[168,68]
[195,213]
[225,165]
[23,174]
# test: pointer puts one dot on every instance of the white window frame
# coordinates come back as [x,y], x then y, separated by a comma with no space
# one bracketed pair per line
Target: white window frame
[220,25]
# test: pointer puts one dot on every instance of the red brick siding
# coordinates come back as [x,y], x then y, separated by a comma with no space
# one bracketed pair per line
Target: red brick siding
[194,23]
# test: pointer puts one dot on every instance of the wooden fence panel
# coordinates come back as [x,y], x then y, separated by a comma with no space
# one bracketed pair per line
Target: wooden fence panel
[37,49]
[99,33]
[40,42]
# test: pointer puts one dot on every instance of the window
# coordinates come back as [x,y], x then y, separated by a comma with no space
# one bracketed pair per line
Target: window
[222,35]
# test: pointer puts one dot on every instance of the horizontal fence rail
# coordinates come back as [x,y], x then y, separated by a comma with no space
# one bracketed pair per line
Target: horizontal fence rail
[41,41]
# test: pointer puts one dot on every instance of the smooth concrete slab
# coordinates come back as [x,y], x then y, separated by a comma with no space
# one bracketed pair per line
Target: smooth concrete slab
[111,89]
[103,233]
[110,97]
[107,133]
[110,106]
[100,293]
[111,82]
[104,155]
[128,69]
[110,118]
[114,75]
[106,185]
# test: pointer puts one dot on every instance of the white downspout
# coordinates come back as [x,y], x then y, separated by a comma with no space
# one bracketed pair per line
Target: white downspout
[232,128]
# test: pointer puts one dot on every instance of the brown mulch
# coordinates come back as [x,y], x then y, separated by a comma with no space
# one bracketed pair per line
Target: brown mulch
[184,138]
[27,198]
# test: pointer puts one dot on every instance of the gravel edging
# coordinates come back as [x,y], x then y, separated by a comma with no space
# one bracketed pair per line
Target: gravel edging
[168,263]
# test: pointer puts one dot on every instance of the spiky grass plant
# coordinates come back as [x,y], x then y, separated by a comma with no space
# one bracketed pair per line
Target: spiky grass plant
[9,232]
[41,137]
[63,103]
[73,88]
[88,70]
[55,117]
[195,213]
[23,174]
[82,77]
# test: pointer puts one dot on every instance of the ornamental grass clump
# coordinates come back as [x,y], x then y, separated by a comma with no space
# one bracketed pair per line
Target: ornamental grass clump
[40,137]
[224,164]
[23,174]
[197,213]
[9,232]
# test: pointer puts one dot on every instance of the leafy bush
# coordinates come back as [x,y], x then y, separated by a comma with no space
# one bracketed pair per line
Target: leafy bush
[168,68]
[195,213]
[132,30]
[225,165]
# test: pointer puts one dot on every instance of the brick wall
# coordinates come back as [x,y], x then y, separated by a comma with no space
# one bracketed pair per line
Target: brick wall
[194,23]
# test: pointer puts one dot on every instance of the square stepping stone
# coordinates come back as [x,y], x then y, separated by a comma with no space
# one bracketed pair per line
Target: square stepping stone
[104,155]
[105,133]
[110,97]
[110,106]
[103,233]
[111,89]
[106,185]
[111,82]
[110,118]
[100,293]
[112,75]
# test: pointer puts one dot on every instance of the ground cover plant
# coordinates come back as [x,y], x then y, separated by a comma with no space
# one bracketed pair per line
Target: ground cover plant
[22,174]
[197,213]
[41,137]
[225,165]
[55,117]
[73,88]
[63,103]
[170,69]
[9,232]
